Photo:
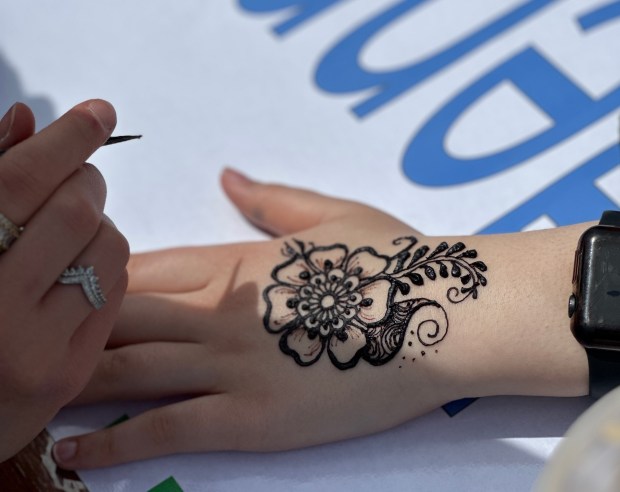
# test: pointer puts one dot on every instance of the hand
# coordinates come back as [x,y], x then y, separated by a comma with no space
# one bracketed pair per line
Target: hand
[50,336]
[335,329]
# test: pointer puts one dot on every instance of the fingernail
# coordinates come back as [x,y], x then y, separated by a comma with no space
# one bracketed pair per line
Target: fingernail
[6,123]
[104,112]
[64,451]
[235,178]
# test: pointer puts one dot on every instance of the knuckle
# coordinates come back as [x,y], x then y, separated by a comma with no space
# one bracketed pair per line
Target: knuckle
[124,249]
[123,282]
[94,177]
[162,426]
[79,213]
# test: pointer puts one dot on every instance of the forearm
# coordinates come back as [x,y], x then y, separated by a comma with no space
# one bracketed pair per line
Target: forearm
[515,338]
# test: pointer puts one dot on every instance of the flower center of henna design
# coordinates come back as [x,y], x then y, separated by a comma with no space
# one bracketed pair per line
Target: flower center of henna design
[328,301]
[326,298]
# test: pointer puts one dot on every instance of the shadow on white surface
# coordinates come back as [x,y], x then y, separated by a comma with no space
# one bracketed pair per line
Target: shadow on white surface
[12,91]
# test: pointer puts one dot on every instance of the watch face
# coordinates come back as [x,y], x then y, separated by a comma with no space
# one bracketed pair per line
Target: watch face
[596,320]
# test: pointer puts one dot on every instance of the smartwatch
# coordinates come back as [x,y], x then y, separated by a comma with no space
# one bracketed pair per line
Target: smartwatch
[594,305]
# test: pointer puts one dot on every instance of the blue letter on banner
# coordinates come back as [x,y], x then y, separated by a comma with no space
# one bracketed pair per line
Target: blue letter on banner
[304,10]
[339,70]
[571,199]
[568,106]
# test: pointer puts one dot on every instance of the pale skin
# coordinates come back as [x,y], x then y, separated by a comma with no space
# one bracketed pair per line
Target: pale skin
[50,336]
[191,325]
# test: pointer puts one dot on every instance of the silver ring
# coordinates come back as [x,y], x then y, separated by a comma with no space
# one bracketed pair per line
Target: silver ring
[85,276]
[9,232]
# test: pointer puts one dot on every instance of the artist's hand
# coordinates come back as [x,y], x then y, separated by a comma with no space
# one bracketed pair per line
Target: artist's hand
[50,335]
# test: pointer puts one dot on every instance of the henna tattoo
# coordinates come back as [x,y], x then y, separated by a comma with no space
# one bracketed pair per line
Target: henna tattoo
[326,298]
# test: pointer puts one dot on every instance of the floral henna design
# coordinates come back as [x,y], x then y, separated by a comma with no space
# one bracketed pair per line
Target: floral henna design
[327,298]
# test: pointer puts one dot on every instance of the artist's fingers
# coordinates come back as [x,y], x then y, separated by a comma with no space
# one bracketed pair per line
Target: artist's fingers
[31,170]
[66,224]
[88,341]
[16,125]
[208,423]
[281,210]
[149,371]
[65,306]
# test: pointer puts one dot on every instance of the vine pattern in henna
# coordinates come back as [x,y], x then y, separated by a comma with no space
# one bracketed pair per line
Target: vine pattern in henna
[327,299]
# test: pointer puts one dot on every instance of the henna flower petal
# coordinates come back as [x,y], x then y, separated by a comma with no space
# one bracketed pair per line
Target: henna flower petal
[304,350]
[335,276]
[379,292]
[366,263]
[345,354]
[351,282]
[332,257]
[279,314]
[354,299]
[294,272]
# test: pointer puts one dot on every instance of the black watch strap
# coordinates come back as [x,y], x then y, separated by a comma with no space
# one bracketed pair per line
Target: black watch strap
[610,218]
[604,365]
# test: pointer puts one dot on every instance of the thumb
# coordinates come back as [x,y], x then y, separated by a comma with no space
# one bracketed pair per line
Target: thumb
[279,209]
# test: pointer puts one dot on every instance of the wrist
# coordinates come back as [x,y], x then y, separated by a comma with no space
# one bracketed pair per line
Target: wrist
[516,338]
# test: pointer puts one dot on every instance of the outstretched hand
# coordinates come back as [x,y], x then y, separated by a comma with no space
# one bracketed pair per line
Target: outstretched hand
[223,324]
[347,323]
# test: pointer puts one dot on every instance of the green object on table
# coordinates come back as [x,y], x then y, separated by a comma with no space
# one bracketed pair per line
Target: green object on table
[168,485]
[122,418]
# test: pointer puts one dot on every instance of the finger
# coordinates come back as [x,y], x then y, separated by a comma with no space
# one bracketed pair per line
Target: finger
[281,210]
[187,317]
[67,305]
[149,371]
[16,126]
[61,229]
[166,271]
[88,341]
[203,424]
[154,317]
[31,170]
[178,270]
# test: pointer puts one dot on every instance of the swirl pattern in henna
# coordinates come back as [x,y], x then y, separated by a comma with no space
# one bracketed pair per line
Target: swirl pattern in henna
[328,299]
